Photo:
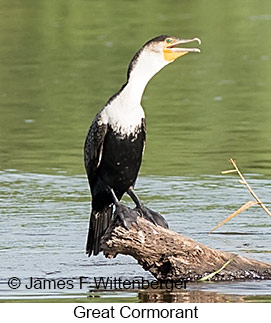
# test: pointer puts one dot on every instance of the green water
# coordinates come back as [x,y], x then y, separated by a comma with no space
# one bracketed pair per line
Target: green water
[59,63]
[61,60]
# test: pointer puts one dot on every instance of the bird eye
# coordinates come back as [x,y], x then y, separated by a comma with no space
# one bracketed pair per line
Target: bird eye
[169,40]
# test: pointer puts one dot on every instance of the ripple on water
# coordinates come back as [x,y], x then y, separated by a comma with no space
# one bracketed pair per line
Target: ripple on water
[44,221]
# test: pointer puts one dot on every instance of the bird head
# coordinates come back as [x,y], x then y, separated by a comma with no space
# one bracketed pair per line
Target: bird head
[160,51]
[172,47]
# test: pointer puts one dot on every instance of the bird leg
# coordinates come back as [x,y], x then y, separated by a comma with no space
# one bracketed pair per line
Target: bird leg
[118,211]
[126,215]
[145,212]
[114,197]
[134,197]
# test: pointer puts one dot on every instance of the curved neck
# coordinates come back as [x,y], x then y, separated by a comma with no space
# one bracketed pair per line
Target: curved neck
[144,68]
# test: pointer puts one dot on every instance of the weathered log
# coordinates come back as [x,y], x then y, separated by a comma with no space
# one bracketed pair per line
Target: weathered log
[172,256]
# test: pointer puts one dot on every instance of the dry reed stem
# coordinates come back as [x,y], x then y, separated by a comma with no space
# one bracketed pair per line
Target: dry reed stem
[240,210]
[248,187]
[248,204]
[210,276]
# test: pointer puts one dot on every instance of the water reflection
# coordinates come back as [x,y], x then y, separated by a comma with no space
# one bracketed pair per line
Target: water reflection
[196,296]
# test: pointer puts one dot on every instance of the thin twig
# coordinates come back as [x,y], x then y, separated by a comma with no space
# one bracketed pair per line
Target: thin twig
[248,187]
[210,276]
[248,204]
[240,210]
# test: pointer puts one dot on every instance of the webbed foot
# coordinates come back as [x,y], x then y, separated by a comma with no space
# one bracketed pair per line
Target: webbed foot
[151,216]
[125,215]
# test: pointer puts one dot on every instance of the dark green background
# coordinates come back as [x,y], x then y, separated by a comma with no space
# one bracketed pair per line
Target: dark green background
[61,60]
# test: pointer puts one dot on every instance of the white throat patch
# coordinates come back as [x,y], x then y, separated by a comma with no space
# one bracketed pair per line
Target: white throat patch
[122,118]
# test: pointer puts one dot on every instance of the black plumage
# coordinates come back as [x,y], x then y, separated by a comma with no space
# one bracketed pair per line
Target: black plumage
[111,162]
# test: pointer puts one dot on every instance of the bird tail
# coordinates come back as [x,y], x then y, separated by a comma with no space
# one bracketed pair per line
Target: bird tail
[98,224]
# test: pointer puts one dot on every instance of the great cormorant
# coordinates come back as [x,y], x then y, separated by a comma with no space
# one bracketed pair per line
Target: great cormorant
[115,142]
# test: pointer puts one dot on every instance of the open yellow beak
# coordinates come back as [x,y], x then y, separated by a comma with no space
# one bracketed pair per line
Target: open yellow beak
[171,52]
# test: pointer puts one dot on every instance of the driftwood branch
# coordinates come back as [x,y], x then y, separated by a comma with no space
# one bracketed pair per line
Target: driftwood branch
[172,256]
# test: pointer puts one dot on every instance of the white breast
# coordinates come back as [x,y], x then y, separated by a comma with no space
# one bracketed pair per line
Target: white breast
[123,117]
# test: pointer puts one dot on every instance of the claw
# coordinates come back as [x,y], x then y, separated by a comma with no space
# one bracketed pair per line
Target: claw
[126,215]
[145,212]
[152,216]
